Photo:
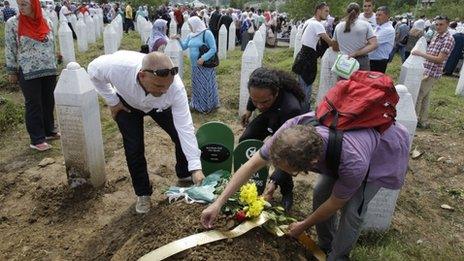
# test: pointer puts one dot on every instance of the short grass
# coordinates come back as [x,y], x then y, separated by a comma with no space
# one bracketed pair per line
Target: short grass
[447,115]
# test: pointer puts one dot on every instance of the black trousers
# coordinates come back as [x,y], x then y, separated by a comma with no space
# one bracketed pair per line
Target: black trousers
[379,65]
[128,24]
[131,127]
[258,129]
[40,103]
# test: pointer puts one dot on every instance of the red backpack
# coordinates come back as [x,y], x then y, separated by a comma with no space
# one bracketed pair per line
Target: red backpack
[366,100]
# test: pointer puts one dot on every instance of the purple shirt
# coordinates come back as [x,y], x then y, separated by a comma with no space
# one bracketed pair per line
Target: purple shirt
[386,154]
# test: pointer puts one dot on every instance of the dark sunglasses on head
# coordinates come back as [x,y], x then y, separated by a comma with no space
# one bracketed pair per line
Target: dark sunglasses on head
[164,72]
[442,17]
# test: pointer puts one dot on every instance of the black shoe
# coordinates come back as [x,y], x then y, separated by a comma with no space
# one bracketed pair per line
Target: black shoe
[287,201]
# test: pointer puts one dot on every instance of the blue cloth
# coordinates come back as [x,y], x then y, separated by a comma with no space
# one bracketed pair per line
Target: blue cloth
[194,43]
[8,12]
[456,54]
[385,34]
[204,89]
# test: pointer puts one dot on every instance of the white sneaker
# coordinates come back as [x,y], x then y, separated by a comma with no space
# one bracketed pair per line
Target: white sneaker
[143,204]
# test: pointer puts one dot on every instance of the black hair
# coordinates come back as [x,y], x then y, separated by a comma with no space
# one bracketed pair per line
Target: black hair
[320,6]
[274,80]
[352,14]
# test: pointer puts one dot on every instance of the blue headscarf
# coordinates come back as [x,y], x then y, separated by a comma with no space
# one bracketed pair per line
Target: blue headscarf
[157,32]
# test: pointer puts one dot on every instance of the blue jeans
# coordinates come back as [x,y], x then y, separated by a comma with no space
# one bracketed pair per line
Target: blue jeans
[307,88]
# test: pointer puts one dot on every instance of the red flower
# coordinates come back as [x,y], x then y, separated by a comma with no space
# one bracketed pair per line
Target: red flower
[240,216]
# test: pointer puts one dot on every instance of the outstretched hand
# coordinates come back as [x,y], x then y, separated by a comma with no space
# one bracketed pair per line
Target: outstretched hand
[209,215]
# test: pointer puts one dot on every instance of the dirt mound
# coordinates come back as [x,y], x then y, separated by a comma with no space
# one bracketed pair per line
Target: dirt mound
[133,235]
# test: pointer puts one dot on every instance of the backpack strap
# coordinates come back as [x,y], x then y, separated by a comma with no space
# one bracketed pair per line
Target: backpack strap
[334,147]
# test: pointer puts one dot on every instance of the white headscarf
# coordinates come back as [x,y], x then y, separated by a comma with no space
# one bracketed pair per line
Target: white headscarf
[198,26]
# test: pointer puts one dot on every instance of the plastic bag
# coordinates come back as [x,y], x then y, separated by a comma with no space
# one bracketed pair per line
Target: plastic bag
[345,66]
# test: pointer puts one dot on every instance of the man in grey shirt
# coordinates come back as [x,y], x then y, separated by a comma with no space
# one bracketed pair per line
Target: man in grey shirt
[355,37]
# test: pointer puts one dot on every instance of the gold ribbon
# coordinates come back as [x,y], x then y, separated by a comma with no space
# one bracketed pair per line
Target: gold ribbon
[214,235]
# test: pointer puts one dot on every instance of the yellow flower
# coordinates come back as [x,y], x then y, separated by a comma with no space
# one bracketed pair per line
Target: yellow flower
[256,207]
[248,193]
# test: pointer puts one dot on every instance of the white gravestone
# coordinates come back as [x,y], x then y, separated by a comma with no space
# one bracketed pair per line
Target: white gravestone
[54,19]
[172,27]
[222,45]
[231,40]
[405,110]
[66,43]
[412,70]
[174,51]
[293,33]
[73,20]
[298,44]
[81,31]
[145,31]
[262,29]
[96,21]
[259,43]
[90,29]
[380,210]
[460,87]
[328,78]
[78,114]
[250,62]
[110,39]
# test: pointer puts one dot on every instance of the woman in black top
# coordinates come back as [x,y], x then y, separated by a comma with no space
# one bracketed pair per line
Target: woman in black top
[278,97]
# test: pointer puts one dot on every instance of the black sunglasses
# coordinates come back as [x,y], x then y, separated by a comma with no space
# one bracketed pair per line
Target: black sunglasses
[164,72]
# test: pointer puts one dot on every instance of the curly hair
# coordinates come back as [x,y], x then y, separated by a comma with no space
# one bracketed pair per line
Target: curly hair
[274,80]
[297,146]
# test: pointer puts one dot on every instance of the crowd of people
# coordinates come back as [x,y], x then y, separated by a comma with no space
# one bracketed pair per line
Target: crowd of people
[135,85]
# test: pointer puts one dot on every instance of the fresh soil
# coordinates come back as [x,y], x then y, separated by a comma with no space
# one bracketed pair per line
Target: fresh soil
[42,218]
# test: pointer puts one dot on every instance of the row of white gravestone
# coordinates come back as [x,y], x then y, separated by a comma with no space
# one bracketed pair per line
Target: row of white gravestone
[144,28]
[260,45]
[112,35]
[250,62]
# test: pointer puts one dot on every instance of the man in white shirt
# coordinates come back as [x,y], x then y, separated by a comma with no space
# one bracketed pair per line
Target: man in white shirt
[368,15]
[313,31]
[385,34]
[135,85]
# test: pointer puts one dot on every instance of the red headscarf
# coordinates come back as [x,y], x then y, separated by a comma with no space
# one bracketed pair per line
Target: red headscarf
[35,28]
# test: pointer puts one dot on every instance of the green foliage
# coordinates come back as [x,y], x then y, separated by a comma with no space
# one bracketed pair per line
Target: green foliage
[303,9]
[11,114]
[137,3]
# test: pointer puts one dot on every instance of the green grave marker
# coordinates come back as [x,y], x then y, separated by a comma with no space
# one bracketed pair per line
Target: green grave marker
[242,153]
[216,142]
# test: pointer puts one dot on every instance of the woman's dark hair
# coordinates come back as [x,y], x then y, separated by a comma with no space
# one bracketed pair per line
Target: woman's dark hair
[274,80]
[352,12]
